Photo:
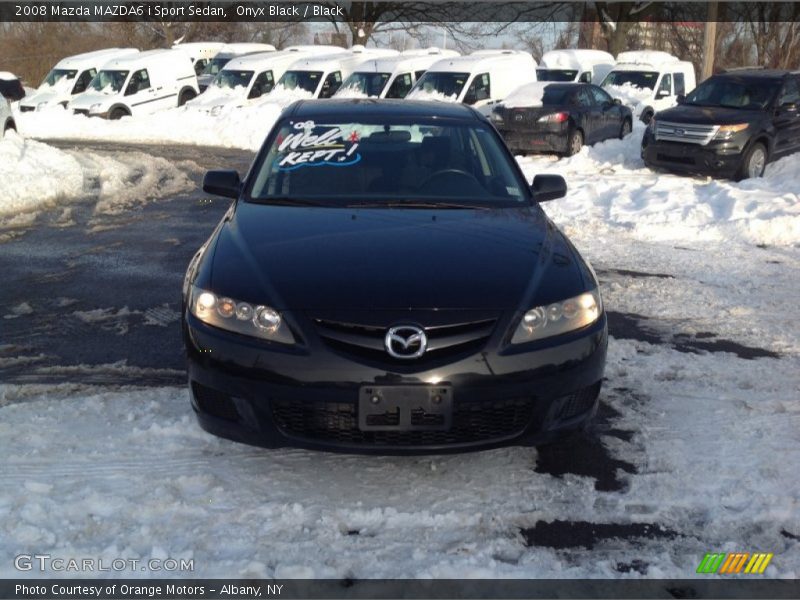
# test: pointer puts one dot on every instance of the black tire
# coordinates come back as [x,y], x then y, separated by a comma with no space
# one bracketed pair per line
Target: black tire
[575,142]
[117,114]
[754,162]
[647,116]
[185,96]
[626,129]
[9,126]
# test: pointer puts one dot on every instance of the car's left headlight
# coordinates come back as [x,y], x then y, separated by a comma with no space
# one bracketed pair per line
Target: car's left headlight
[725,132]
[256,320]
[559,317]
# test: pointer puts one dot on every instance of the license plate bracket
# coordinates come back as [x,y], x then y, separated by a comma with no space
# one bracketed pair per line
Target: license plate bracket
[405,408]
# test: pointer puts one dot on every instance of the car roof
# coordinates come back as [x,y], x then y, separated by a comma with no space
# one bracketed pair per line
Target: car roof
[756,73]
[373,108]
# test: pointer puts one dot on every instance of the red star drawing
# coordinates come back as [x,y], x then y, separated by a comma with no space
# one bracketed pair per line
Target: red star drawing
[353,137]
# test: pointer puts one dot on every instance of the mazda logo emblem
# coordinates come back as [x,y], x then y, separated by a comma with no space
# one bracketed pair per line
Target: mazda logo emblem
[518,117]
[406,341]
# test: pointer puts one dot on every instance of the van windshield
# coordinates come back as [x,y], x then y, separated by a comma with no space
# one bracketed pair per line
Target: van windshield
[304,80]
[396,162]
[645,80]
[369,84]
[230,79]
[215,65]
[733,92]
[109,81]
[439,82]
[58,74]
[555,75]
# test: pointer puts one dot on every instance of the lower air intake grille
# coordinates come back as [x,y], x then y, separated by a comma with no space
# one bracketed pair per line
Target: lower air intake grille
[214,402]
[579,402]
[337,422]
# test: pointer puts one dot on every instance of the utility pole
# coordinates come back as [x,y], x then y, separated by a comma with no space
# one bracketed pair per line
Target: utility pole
[709,41]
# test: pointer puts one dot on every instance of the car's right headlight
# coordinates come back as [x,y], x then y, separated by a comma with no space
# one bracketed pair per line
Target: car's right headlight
[256,320]
[496,116]
[559,317]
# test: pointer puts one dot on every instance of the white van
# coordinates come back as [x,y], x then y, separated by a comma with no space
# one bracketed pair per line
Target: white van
[249,77]
[321,76]
[227,53]
[138,84]
[649,81]
[391,76]
[70,76]
[201,53]
[481,78]
[584,66]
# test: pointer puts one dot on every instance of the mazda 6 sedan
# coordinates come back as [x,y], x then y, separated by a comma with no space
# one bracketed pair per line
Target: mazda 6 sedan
[386,281]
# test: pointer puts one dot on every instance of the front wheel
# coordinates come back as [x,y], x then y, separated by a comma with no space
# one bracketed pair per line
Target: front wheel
[185,96]
[754,163]
[647,116]
[117,114]
[575,142]
[626,129]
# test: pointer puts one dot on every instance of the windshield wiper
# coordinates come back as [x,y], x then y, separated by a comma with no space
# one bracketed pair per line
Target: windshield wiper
[417,204]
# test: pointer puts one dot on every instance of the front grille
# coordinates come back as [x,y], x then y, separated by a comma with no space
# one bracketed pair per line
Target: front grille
[367,341]
[579,402]
[214,402]
[337,422]
[682,160]
[26,108]
[685,132]
[81,111]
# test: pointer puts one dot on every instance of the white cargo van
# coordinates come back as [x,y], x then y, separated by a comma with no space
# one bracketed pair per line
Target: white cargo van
[249,77]
[391,76]
[138,84]
[227,53]
[321,76]
[649,81]
[201,53]
[584,66]
[70,76]
[481,78]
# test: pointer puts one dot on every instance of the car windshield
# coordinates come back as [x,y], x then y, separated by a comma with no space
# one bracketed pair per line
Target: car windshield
[304,80]
[437,82]
[230,79]
[215,65]
[396,163]
[555,75]
[733,92]
[109,80]
[369,84]
[645,80]
[57,74]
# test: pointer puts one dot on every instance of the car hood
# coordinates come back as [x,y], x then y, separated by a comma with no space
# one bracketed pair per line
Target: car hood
[334,258]
[86,99]
[47,96]
[706,115]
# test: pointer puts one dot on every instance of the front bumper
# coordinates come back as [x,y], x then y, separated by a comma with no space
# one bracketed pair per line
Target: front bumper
[718,158]
[276,397]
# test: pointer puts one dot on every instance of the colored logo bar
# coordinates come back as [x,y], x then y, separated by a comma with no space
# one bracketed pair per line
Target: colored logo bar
[735,562]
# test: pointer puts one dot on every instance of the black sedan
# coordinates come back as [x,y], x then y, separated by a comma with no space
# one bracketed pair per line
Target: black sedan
[560,117]
[385,280]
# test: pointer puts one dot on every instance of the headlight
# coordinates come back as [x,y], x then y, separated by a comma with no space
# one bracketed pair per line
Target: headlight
[256,320]
[559,317]
[41,105]
[95,107]
[725,132]
[216,110]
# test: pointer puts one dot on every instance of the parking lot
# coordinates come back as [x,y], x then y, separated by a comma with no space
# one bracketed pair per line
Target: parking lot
[695,443]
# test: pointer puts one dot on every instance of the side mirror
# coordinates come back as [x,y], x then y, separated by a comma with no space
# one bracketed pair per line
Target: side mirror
[617,101]
[548,187]
[680,98]
[222,183]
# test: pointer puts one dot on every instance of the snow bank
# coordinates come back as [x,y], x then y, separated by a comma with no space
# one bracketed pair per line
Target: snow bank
[37,176]
[610,188]
[530,94]
[432,95]
[629,94]
[242,128]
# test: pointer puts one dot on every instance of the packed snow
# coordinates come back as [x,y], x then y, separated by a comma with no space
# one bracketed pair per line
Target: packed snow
[530,94]
[630,95]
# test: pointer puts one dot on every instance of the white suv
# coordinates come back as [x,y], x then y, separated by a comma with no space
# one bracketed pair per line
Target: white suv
[6,118]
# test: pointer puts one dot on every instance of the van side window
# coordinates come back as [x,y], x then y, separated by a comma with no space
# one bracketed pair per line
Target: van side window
[418,74]
[400,86]
[262,85]
[790,92]
[139,81]
[479,89]
[200,65]
[666,85]
[83,81]
[331,84]
[586,77]
[680,84]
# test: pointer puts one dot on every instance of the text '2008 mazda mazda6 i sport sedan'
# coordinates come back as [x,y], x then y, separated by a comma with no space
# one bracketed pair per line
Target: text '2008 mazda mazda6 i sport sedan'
[386,281]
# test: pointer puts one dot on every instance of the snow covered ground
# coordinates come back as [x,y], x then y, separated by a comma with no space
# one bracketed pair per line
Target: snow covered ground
[703,442]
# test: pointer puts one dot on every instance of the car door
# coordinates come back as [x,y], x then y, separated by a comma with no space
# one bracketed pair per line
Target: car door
[611,113]
[262,85]
[140,96]
[591,115]
[787,118]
